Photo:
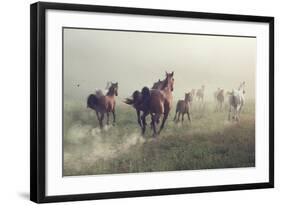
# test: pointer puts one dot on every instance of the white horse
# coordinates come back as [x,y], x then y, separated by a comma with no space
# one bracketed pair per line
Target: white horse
[236,101]
[219,99]
[200,93]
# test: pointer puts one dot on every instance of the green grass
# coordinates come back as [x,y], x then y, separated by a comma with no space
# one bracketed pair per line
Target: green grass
[209,142]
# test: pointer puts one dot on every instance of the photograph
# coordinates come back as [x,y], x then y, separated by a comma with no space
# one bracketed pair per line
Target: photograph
[150,101]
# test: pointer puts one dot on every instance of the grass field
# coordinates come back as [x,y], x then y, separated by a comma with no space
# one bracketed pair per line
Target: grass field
[209,142]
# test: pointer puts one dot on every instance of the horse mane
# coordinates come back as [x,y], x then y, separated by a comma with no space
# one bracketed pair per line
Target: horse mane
[110,90]
[157,84]
[164,83]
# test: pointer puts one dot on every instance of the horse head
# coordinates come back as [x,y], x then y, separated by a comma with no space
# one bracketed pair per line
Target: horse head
[188,97]
[169,81]
[113,89]
[242,87]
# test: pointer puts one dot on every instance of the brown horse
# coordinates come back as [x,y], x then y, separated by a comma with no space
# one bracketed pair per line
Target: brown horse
[104,104]
[160,103]
[183,107]
[140,100]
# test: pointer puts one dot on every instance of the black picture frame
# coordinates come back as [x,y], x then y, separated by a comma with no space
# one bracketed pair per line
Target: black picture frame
[38,101]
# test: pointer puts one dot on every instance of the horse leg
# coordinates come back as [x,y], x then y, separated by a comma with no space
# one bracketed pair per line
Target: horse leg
[175,115]
[182,117]
[107,118]
[238,113]
[178,116]
[139,118]
[143,122]
[98,115]
[163,121]
[188,115]
[114,117]
[235,114]
[101,119]
[158,119]
[229,112]
[153,119]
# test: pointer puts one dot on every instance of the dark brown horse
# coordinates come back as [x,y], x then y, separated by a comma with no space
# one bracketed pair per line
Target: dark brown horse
[140,100]
[104,104]
[183,107]
[160,103]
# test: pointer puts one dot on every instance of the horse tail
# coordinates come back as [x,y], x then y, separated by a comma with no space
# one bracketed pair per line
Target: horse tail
[129,101]
[134,99]
[92,101]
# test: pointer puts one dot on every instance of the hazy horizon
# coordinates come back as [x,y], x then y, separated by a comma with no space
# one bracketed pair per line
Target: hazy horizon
[137,59]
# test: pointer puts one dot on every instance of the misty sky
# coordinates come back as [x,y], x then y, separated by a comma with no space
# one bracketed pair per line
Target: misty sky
[137,59]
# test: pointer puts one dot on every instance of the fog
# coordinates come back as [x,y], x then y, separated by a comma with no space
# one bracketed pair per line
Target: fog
[137,59]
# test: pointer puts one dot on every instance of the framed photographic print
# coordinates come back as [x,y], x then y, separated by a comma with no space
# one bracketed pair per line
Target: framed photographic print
[129,102]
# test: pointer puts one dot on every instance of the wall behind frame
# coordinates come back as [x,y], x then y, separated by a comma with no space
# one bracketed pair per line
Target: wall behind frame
[14,103]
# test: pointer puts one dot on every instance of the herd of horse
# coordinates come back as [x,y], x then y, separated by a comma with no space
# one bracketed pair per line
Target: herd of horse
[156,102]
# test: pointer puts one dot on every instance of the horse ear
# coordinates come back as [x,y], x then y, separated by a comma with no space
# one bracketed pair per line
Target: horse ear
[172,73]
[166,73]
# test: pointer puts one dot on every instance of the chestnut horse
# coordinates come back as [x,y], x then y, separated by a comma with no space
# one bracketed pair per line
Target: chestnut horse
[160,103]
[104,104]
